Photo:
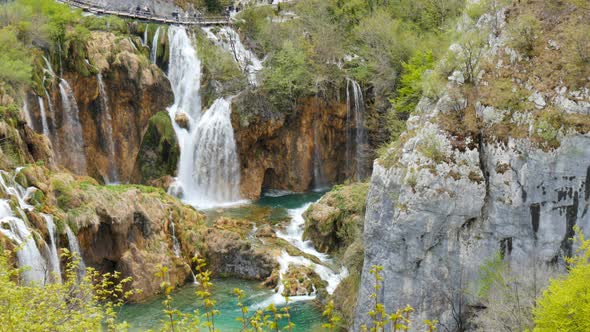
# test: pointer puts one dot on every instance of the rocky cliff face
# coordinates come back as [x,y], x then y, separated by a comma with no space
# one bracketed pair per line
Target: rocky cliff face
[293,152]
[131,229]
[441,202]
[114,108]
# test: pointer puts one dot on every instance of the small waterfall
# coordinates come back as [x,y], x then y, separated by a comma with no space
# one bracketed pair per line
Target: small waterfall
[293,234]
[75,249]
[229,40]
[44,123]
[27,112]
[28,256]
[145,35]
[12,188]
[319,180]
[155,43]
[73,139]
[175,242]
[107,125]
[356,134]
[54,271]
[208,171]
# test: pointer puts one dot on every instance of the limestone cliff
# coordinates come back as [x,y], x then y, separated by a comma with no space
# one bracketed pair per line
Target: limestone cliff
[116,95]
[294,152]
[472,177]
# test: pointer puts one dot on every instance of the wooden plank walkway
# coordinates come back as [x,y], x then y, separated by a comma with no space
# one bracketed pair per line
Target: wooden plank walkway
[146,16]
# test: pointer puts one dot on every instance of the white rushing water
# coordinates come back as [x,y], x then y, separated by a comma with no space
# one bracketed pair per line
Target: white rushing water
[54,270]
[28,256]
[73,140]
[293,234]
[356,134]
[44,123]
[229,40]
[107,125]
[144,42]
[27,112]
[74,247]
[155,43]
[208,171]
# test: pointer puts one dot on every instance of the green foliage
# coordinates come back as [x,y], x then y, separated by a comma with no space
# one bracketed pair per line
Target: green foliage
[15,61]
[565,304]
[410,87]
[524,33]
[287,76]
[490,271]
[89,304]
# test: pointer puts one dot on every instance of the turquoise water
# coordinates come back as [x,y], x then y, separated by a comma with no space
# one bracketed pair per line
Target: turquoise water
[306,316]
[149,315]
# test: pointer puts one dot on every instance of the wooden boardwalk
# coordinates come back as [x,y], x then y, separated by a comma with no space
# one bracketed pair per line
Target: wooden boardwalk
[142,15]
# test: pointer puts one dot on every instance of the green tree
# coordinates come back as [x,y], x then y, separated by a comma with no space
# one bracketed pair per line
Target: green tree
[565,304]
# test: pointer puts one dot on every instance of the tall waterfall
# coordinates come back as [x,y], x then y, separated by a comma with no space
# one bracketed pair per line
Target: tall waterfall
[27,112]
[75,249]
[208,171]
[107,125]
[54,270]
[155,43]
[44,123]
[145,35]
[356,134]
[229,40]
[73,139]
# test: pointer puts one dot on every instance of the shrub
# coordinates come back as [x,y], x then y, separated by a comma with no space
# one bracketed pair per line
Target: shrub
[565,304]
[523,34]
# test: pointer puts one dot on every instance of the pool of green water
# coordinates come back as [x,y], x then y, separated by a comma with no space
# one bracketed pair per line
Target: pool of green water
[268,209]
[149,315]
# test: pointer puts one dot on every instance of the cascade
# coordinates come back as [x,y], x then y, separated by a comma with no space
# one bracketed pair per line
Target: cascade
[28,255]
[175,242]
[155,43]
[54,270]
[229,40]
[293,234]
[145,35]
[12,188]
[75,249]
[319,180]
[208,171]
[27,112]
[356,135]
[107,124]
[43,117]
[73,139]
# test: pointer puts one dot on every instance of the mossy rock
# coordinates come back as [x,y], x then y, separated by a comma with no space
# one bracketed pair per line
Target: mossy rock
[159,151]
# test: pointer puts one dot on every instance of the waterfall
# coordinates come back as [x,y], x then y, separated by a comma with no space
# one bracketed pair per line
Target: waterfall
[175,243]
[73,139]
[319,180]
[107,124]
[145,35]
[54,271]
[43,117]
[293,234]
[9,185]
[75,249]
[208,171]
[28,256]
[27,112]
[229,40]
[155,43]
[356,134]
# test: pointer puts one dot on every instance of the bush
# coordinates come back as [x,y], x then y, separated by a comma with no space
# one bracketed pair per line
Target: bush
[565,304]
[523,34]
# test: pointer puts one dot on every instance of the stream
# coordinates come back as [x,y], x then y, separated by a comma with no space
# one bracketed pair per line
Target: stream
[273,207]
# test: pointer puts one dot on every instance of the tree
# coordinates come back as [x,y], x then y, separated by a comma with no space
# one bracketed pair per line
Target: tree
[523,34]
[472,46]
[565,304]
[509,294]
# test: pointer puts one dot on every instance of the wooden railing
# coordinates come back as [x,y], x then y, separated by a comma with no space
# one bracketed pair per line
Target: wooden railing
[143,15]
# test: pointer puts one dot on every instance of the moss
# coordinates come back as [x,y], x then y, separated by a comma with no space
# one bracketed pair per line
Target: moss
[159,151]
